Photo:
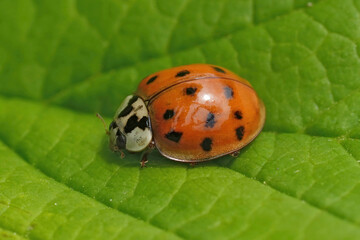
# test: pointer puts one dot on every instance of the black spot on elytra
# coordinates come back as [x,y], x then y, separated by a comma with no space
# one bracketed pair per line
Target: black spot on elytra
[229,93]
[112,125]
[210,120]
[190,91]
[168,114]
[151,79]
[182,73]
[206,144]
[240,132]
[219,69]
[128,108]
[238,115]
[133,122]
[174,136]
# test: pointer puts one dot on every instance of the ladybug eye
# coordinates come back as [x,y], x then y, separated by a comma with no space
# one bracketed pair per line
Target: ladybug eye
[112,125]
[120,140]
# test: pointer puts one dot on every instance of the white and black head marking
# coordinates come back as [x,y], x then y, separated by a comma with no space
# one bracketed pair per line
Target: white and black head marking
[130,128]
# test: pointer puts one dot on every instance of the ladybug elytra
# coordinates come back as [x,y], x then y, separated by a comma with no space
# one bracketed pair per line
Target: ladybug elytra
[190,113]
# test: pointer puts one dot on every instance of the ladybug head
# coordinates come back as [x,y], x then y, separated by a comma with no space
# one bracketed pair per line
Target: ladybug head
[130,128]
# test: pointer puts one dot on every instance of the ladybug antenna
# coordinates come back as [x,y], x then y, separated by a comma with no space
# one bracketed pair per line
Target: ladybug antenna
[103,121]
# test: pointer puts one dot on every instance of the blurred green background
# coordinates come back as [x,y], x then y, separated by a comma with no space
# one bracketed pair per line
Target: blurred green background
[63,61]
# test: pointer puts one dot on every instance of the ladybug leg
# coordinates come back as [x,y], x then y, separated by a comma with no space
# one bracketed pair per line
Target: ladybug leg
[234,154]
[151,145]
[145,154]
[193,164]
[144,159]
[122,154]
[117,150]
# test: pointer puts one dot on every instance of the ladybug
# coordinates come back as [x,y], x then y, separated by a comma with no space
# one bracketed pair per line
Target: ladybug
[190,113]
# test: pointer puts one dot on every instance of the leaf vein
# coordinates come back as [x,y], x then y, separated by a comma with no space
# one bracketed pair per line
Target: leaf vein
[207,209]
[330,212]
[87,196]
[149,59]
[172,196]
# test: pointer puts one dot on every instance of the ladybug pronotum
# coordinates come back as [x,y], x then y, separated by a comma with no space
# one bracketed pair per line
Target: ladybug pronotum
[190,113]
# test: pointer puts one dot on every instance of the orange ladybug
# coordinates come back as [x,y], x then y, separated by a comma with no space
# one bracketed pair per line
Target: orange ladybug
[190,113]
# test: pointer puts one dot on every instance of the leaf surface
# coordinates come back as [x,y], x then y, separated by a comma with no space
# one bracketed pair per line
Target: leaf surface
[62,62]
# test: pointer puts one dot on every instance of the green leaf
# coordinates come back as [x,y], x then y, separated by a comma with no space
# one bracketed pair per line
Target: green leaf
[61,62]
